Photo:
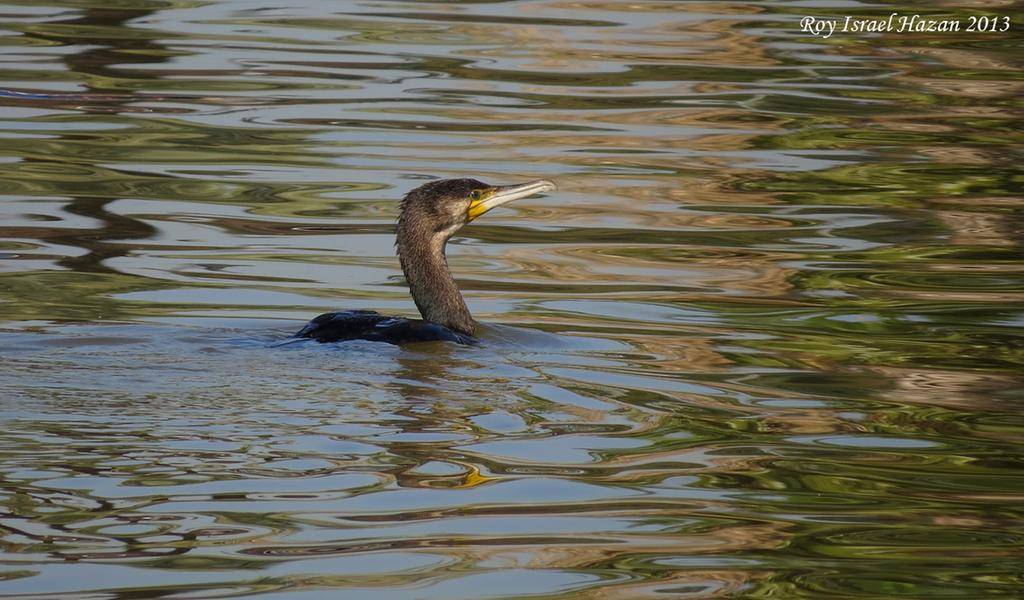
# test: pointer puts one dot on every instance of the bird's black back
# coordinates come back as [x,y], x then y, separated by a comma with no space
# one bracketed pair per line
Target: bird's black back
[373,326]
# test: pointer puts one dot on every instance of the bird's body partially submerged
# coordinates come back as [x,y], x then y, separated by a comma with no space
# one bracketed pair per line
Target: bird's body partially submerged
[429,215]
[375,327]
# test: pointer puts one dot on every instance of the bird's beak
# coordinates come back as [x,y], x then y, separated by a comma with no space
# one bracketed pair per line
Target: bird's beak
[506,193]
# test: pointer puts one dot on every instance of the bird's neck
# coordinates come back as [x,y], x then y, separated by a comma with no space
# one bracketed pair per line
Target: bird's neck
[430,282]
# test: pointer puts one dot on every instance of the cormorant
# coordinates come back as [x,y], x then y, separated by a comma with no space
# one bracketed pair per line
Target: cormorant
[428,216]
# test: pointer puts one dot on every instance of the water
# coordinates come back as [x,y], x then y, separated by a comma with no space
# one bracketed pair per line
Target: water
[764,342]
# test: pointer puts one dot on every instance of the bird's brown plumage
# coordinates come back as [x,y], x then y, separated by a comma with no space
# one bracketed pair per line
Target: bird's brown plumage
[428,216]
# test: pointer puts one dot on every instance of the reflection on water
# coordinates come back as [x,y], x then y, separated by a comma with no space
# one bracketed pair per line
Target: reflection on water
[764,342]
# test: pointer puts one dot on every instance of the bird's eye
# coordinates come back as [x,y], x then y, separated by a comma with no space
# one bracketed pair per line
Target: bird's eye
[476,194]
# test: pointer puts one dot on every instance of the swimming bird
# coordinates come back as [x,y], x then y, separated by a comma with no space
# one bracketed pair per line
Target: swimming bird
[428,216]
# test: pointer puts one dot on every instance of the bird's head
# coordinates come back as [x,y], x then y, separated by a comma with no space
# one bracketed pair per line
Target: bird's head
[432,213]
[440,208]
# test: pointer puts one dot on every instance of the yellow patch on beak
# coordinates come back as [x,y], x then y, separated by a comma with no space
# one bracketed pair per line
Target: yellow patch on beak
[478,205]
[483,200]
